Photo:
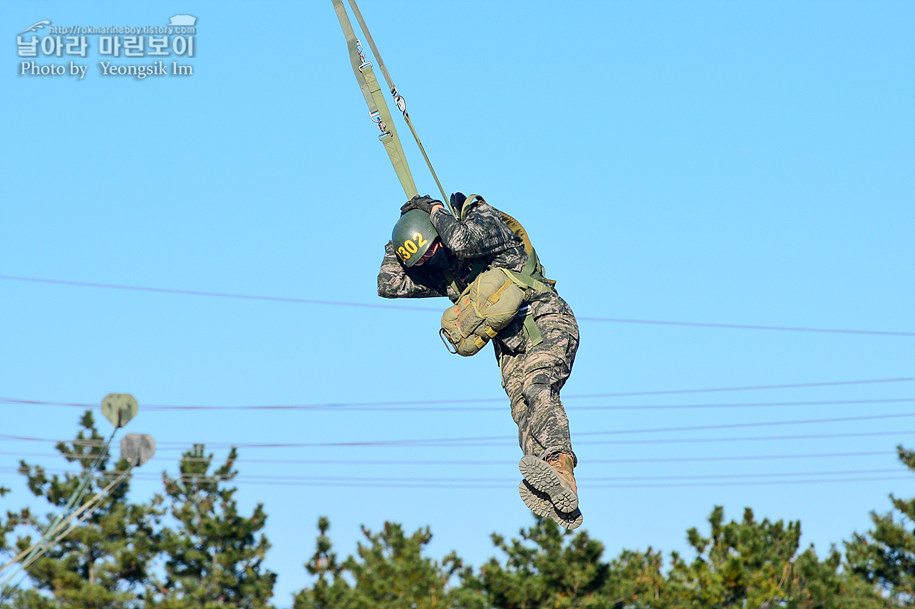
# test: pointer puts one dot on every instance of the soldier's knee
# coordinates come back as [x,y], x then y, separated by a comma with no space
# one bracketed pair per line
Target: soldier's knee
[537,393]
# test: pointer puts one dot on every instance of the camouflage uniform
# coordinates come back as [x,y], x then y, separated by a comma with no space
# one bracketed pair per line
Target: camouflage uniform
[531,375]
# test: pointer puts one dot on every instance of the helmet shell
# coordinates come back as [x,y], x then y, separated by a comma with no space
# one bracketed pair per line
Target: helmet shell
[413,236]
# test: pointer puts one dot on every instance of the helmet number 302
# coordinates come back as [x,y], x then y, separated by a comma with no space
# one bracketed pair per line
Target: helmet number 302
[411,246]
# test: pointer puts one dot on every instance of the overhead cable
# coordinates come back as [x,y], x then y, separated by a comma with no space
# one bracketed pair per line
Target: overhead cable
[427,404]
[488,462]
[314,301]
[497,440]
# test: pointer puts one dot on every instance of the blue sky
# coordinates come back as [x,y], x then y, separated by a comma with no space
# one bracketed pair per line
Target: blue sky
[743,164]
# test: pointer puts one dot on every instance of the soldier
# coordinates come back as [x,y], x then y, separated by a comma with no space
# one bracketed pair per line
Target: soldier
[433,253]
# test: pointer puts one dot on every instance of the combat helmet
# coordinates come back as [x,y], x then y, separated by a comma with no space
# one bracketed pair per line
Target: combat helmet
[413,236]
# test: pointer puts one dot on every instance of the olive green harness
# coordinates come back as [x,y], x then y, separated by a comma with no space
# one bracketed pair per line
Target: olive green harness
[378,109]
[531,278]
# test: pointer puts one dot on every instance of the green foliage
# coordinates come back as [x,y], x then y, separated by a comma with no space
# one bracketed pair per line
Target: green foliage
[740,564]
[214,555]
[389,571]
[330,589]
[193,549]
[885,555]
[104,562]
[755,564]
[636,580]
[546,567]
[6,527]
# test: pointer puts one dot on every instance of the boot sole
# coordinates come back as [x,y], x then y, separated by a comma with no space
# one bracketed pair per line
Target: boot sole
[544,478]
[539,504]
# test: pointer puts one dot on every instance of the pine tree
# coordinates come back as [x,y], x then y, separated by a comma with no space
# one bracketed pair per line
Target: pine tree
[885,555]
[214,554]
[9,598]
[330,589]
[755,564]
[636,579]
[546,567]
[388,572]
[104,562]
[6,527]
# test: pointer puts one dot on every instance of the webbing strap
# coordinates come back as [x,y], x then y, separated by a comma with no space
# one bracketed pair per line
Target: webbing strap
[397,97]
[529,277]
[456,285]
[390,140]
[525,281]
[468,203]
[533,332]
[374,98]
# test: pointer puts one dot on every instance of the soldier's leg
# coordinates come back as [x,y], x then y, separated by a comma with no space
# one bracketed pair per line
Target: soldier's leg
[532,381]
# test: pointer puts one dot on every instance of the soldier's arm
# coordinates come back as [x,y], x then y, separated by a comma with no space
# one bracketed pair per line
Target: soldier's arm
[395,282]
[480,234]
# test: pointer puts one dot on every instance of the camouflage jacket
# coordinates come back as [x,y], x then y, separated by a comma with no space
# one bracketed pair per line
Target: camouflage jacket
[481,239]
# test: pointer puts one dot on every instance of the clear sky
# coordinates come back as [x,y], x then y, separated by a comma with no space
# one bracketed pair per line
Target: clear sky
[730,163]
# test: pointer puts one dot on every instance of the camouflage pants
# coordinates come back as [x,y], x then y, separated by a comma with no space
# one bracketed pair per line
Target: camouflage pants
[532,380]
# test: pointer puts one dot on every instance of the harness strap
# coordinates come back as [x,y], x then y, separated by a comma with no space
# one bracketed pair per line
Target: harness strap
[531,329]
[526,281]
[530,277]
[531,284]
[398,99]
[456,285]
[374,98]
[468,203]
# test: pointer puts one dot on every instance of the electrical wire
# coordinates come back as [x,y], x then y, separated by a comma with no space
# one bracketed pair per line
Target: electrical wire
[484,441]
[428,404]
[459,409]
[489,462]
[473,481]
[313,301]
[501,484]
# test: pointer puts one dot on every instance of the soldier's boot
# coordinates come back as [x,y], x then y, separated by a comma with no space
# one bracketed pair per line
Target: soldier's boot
[539,503]
[554,478]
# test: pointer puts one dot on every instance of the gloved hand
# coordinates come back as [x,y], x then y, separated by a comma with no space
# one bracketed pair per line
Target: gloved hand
[425,203]
[457,201]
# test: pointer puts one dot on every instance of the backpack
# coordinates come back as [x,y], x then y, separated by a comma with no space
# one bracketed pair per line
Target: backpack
[493,298]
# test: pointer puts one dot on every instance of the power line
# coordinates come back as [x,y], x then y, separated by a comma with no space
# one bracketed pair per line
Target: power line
[134,288]
[393,480]
[313,301]
[750,438]
[496,440]
[743,326]
[461,441]
[472,439]
[476,486]
[489,462]
[340,407]
[453,486]
[746,425]
[481,444]
[427,404]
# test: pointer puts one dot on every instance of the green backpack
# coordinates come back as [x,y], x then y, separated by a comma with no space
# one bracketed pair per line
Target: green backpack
[493,298]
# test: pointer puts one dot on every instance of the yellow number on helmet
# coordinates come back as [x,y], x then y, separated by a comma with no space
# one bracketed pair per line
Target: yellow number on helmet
[404,254]
[411,247]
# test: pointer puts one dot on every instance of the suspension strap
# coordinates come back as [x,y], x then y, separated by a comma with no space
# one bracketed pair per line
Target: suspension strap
[399,101]
[378,109]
